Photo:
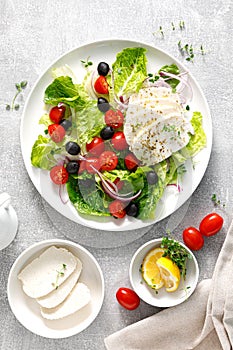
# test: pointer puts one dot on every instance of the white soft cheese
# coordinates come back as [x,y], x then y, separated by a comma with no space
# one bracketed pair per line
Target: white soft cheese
[78,298]
[58,295]
[42,276]
[155,124]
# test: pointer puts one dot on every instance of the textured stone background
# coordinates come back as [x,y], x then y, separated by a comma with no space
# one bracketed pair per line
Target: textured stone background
[32,35]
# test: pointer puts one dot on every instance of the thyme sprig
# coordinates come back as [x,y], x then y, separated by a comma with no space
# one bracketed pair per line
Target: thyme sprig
[177,253]
[60,273]
[19,87]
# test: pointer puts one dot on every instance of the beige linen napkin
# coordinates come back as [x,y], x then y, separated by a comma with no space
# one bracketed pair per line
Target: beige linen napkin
[203,322]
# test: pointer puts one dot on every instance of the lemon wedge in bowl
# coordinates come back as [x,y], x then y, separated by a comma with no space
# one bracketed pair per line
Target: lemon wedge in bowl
[169,272]
[150,270]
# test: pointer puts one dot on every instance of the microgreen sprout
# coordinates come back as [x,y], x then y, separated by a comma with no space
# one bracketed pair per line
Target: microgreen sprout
[153,77]
[86,63]
[176,252]
[19,87]
[60,273]
[217,201]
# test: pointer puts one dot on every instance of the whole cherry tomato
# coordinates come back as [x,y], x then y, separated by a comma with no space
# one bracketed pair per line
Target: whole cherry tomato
[59,175]
[127,298]
[118,141]
[193,238]
[101,85]
[131,162]
[211,224]
[96,146]
[57,113]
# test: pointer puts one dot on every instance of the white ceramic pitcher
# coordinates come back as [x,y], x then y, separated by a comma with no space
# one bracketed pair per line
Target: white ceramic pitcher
[8,221]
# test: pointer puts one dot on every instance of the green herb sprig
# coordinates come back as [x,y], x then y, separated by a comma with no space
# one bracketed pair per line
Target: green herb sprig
[217,201]
[188,51]
[19,87]
[86,63]
[60,273]
[177,253]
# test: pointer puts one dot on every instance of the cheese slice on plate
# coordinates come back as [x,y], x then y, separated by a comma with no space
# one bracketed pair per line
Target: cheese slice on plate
[79,297]
[58,295]
[47,272]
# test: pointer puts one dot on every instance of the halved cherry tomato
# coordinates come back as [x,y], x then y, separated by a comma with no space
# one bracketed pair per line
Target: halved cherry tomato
[119,183]
[131,162]
[114,119]
[57,113]
[91,161]
[59,175]
[108,161]
[96,146]
[211,224]
[57,132]
[127,298]
[117,209]
[193,238]
[118,141]
[101,85]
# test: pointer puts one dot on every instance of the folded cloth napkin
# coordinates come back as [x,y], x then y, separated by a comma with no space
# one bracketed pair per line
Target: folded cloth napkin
[203,322]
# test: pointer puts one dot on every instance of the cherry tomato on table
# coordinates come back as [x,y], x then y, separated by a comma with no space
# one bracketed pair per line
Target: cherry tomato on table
[118,141]
[211,224]
[96,146]
[56,132]
[127,298]
[57,113]
[193,238]
[59,175]
[115,119]
[108,161]
[101,85]
[117,209]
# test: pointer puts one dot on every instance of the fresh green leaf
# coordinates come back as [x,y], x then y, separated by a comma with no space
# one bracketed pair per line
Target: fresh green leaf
[45,120]
[174,69]
[43,152]
[129,71]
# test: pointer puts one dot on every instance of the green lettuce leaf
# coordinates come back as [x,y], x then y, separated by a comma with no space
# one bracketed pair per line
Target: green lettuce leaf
[197,141]
[45,120]
[129,71]
[43,153]
[90,200]
[172,68]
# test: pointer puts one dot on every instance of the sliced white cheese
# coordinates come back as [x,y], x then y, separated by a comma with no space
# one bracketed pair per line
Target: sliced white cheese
[45,273]
[155,124]
[78,298]
[58,295]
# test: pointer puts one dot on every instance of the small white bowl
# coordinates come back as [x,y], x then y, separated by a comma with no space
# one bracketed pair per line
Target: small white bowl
[27,310]
[162,298]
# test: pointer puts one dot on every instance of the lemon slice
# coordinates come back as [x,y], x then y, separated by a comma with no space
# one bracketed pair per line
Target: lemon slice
[150,271]
[170,273]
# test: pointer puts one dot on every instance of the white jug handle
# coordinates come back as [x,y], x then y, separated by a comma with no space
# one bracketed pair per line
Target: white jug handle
[5,200]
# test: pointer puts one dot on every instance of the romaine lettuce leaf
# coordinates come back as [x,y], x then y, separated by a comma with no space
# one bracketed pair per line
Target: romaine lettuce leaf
[129,71]
[197,141]
[45,153]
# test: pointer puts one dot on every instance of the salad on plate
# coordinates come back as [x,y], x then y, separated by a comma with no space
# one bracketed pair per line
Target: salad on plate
[117,139]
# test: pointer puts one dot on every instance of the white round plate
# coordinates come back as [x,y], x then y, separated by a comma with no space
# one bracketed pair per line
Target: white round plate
[34,109]
[27,310]
[163,298]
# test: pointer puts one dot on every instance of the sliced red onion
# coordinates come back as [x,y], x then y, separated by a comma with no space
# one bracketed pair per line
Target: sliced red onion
[177,186]
[180,78]
[63,194]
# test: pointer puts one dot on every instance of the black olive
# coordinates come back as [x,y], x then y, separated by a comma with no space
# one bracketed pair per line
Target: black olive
[132,209]
[66,123]
[72,148]
[103,68]
[107,133]
[103,104]
[72,167]
[152,177]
